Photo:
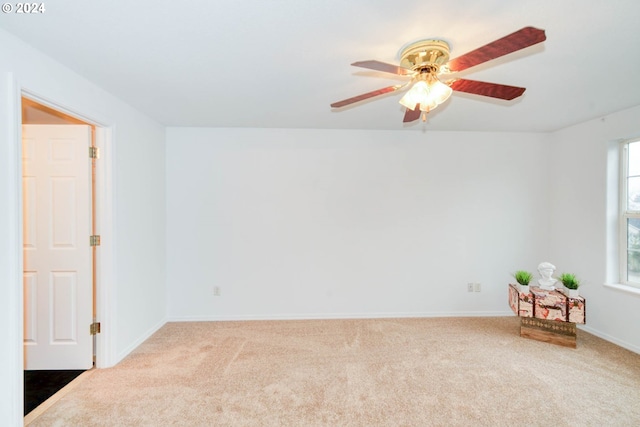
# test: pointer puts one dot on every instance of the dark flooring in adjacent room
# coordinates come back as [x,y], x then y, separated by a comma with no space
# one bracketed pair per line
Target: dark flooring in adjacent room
[41,385]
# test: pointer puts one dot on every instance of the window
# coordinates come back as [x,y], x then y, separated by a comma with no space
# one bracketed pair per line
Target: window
[630,208]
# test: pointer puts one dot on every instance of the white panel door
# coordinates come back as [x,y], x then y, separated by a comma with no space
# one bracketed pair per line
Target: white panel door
[58,305]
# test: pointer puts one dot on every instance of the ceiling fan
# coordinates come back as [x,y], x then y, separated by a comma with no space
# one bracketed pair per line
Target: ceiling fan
[426,60]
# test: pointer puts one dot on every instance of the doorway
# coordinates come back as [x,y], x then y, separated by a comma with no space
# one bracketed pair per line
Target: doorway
[59,257]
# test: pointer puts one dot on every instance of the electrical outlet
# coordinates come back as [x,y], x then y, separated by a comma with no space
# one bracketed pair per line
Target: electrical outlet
[216,291]
[469,287]
[476,287]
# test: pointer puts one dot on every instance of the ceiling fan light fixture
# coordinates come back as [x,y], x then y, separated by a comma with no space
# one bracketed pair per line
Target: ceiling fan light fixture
[418,92]
[429,92]
[440,91]
[425,60]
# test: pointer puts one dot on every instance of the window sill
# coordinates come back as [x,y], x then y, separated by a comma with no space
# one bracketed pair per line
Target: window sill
[624,288]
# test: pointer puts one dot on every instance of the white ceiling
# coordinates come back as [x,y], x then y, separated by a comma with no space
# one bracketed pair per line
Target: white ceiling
[280,63]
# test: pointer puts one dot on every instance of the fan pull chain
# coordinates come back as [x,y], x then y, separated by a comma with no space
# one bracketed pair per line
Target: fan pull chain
[424,114]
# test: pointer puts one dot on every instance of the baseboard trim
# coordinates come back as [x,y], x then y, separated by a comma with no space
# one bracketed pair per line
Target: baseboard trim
[124,353]
[321,316]
[606,337]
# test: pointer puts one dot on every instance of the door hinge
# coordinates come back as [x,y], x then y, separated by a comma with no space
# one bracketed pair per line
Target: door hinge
[94,328]
[94,153]
[94,240]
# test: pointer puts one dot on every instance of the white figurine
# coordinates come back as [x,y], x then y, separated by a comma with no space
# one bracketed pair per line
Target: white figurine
[546,270]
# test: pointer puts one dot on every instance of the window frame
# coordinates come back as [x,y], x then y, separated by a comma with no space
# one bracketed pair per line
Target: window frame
[625,212]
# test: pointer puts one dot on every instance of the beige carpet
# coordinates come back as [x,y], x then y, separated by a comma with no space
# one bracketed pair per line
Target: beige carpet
[384,372]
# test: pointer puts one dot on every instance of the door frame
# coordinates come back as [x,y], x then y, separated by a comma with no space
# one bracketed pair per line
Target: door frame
[105,218]
[104,221]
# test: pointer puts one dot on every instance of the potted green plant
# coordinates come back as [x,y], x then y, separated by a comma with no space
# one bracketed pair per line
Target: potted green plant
[571,284]
[523,278]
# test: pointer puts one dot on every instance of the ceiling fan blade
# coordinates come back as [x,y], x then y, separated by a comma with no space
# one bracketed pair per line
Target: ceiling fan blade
[493,90]
[383,66]
[411,115]
[528,36]
[364,96]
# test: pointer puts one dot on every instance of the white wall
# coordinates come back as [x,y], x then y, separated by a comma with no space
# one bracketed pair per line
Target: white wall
[137,159]
[584,231]
[321,223]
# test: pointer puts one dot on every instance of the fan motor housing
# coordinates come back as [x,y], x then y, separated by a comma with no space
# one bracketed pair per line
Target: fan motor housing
[425,54]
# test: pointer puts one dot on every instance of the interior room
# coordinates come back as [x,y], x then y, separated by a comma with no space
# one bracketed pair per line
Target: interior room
[229,193]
